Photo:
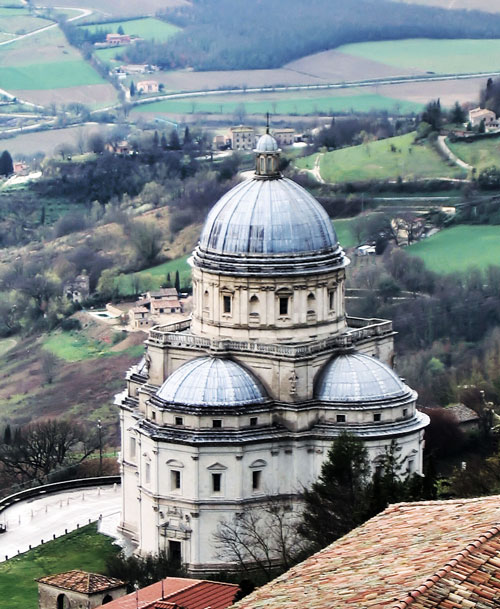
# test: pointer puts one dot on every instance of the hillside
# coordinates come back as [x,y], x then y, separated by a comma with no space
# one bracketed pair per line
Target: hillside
[388,159]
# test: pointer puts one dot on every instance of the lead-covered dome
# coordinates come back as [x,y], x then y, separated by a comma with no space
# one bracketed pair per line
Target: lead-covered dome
[266,143]
[210,381]
[359,378]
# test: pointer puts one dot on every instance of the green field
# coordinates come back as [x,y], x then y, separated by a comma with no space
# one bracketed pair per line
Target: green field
[158,275]
[82,549]
[426,55]
[42,76]
[108,55]
[344,232]
[147,28]
[376,161]
[76,347]
[281,103]
[460,247]
[480,154]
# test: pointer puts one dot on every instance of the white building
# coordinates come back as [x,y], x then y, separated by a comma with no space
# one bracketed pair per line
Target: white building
[242,402]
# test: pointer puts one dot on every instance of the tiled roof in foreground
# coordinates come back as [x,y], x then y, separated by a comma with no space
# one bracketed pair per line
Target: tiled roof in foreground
[81,581]
[426,555]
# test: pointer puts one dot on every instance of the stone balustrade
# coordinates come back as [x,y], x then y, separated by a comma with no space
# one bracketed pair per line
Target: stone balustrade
[359,329]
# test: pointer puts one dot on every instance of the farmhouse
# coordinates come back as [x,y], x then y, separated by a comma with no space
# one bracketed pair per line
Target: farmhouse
[122,147]
[477,115]
[117,39]
[284,137]
[139,317]
[241,138]
[148,86]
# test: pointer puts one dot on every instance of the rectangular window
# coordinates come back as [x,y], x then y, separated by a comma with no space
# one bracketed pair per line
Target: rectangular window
[179,421]
[216,422]
[216,483]
[153,415]
[132,447]
[331,299]
[411,466]
[284,305]
[148,473]
[253,421]
[341,418]
[256,476]
[227,304]
[175,480]
[377,416]
[405,412]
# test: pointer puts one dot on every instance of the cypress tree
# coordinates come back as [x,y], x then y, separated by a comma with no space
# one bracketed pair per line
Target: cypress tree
[177,282]
[6,164]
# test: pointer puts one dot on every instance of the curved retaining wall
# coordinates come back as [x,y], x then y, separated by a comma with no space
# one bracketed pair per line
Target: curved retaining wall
[57,487]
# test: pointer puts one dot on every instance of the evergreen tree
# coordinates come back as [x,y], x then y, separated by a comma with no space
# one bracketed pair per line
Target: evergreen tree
[120,30]
[177,284]
[457,114]
[432,114]
[173,140]
[6,164]
[187,137]
[132,89]
[163,142]
[156,139]
[7,435]
[169,281]
[337,502]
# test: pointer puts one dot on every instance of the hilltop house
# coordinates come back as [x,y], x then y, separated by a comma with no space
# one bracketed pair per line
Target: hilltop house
[147,86]
[477,115]
[117,39]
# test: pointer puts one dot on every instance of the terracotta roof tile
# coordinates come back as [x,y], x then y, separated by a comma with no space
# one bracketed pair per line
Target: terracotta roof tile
[427,555]
[178,592]
[81,581]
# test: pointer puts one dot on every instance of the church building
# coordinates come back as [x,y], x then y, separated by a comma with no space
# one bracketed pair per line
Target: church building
[243,401]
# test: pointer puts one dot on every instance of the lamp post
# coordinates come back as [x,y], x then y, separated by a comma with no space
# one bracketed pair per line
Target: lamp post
[99,431]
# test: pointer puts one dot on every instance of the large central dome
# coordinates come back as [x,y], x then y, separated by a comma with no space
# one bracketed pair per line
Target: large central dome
[268,217]
[268,224]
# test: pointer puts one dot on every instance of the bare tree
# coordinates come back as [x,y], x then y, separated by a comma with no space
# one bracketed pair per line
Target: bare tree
[263,538]
[49,364]
[38,449]
[147,240]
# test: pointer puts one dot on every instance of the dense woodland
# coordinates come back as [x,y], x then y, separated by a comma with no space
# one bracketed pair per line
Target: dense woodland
[234,34]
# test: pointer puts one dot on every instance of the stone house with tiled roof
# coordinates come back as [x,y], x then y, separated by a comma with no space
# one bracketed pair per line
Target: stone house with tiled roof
[78,589]
[426,555]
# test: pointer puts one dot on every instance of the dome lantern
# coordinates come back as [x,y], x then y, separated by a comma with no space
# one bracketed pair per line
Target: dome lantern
[267,156]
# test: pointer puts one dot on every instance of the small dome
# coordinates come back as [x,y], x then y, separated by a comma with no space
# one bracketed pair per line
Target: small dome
[359,378]
[210,381]
[267,143]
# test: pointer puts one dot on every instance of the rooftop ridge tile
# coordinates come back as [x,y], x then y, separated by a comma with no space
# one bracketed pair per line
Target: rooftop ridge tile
[440,573]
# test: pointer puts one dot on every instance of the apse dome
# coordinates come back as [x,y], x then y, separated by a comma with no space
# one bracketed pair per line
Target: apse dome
[210,381]
[359,378]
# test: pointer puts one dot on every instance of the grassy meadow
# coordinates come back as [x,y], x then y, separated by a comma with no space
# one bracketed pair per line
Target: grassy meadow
[343,228]
[147,28]
[458,248]
[77,347]
[378,161]
[282,103]
[480,154]
[428,55]
[82,549]
[158,275]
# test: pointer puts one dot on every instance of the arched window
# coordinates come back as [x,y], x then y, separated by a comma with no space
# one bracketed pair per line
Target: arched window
[107,599]
[206,301]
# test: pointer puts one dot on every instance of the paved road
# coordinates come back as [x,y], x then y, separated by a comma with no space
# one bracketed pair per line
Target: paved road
[453,157]
[28,522]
